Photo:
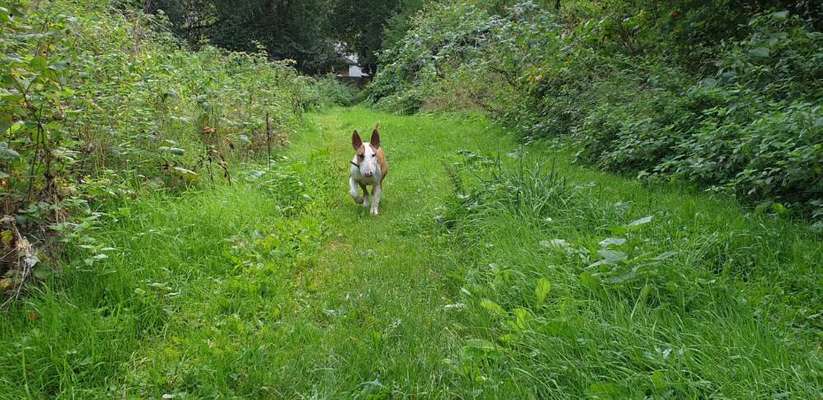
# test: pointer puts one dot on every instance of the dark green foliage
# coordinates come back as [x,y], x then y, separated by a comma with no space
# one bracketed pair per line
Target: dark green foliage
[752,127]
[442,39]
[730,103]
[295,30]
[361,23]
[306,31]
[400,23]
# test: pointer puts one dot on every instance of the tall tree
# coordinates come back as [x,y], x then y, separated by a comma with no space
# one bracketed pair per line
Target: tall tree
[361,25]
[286,28]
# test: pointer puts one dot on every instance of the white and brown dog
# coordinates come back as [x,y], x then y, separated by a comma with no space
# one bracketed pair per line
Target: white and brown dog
[369,168]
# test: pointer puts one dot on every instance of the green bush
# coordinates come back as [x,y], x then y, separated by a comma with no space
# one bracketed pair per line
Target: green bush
[97,103]
[328,91]
[443,38]
[640,87]
[750,129]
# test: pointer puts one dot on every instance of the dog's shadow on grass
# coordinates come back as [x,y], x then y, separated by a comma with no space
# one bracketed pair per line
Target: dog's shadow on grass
[355,210]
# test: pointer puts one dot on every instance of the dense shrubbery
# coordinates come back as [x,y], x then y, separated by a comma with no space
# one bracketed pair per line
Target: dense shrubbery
[96,104]
[441,43]
[329,91]
[648,88]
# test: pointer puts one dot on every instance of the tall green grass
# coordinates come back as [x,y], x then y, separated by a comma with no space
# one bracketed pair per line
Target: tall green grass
[580,284]
[76,335]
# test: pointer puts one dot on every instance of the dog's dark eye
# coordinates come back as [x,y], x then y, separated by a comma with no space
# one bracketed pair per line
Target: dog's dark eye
[360,156]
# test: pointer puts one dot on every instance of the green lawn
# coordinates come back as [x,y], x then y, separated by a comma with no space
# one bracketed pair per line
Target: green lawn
[481,278]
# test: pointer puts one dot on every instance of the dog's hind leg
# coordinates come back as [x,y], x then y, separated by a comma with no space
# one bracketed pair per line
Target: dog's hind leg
[354,193]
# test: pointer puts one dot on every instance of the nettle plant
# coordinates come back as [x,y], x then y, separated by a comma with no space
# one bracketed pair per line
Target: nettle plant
[750,129]
[35,146]
[35,150]
[86,121]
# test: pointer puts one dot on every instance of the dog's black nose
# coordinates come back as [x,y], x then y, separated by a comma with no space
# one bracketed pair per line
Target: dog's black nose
[368,174]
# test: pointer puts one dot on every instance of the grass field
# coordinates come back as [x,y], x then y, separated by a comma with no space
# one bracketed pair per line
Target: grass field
[493,271]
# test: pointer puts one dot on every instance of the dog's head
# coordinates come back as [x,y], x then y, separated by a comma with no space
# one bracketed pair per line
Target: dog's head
[366,157]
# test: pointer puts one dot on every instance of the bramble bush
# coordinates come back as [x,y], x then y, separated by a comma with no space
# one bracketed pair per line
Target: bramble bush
[729,103]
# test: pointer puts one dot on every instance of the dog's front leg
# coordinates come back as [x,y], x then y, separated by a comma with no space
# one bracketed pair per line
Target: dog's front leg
[353,191]
[375,199]
[365,195]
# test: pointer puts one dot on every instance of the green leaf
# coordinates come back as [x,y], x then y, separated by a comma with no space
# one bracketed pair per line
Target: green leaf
[522,318]
[43,273]
[481,344]
[612,242]
[7,153]
[761,52]
[590,281]
[624,277]
[173,150]
[542,290]
[492,307]
[780,14]
[5,122]
[641,221]
[612,256]
[185,172]
[605,390]
[659,380]
[16,127]
[39,63]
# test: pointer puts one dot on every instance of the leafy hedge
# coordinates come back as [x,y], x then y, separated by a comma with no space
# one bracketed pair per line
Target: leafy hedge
[642,87]
[98,104]
[327,91]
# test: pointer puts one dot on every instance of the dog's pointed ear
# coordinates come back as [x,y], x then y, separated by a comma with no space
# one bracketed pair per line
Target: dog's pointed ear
[375,137]
[356,142]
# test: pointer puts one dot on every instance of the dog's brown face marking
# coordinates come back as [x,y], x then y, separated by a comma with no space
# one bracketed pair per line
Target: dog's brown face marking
[367,153]
[361,153]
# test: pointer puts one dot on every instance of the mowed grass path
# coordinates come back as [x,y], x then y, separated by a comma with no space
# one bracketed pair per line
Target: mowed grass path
[280,287]
[235,291]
